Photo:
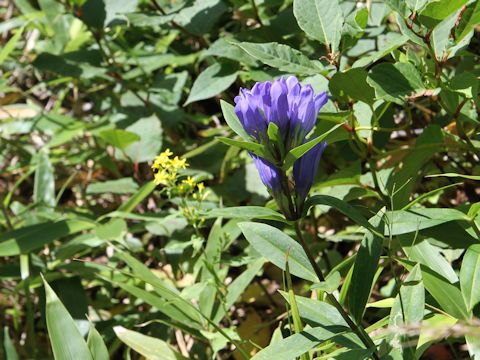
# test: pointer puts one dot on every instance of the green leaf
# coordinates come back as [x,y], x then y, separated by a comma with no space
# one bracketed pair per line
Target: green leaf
[138,197]
[273,245]
[9,348]
[10,45]
[441,34]
[394,82]
[282,57]
[44,183]
[200,17]
[149,130]
[447,295]
[119,138]
[365,269]
[245,212]
[470,276]
[344,207]
[115,229]
[119,186]
[321,20]
[408,309]
[416,5]
[301,150]
[352,83]
[297,344]
[331,283]
[386,45]
[436,11]
[470,177]
[422,252]
[33,237]
[470,18]
[150,347]
[232,120]
[66,340]
[318,313]
[96,344]
[414,219]
[212,81]
[247,145]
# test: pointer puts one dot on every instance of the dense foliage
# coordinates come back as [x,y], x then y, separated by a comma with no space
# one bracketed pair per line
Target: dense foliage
[134,223]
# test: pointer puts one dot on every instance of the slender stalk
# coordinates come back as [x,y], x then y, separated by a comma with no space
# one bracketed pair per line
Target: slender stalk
[357,329]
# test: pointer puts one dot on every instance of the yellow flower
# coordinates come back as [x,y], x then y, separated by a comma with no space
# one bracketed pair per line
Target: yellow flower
[200,187]
[178,163]
[189,181]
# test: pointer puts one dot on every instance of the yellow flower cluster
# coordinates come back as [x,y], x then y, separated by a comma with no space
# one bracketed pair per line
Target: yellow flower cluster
[166,168]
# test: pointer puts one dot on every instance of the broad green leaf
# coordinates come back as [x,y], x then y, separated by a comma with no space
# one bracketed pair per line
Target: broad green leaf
[273,245]
[422,252]
[470,18]
[441,34]
[282,57]
[395,82]
[114,229]
[66,340]
[408,309]
[97,346]
[149,130]
[232,120]
[470,276]
[150,347]
[297,344]
[318,313]
[352,83]
[119,138]
[416,5]
[447,295]
[436,11]
[212,81]
[32,237]
[365,269]
[300,150]
[321,20]
[414,219]
[386,45]
[245,212]
[200,16]
[119,186]
[344,207]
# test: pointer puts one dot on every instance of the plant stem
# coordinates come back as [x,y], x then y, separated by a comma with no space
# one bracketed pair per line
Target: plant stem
[357,329]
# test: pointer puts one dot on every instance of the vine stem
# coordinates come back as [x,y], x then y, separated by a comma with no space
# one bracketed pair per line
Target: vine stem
[357,329]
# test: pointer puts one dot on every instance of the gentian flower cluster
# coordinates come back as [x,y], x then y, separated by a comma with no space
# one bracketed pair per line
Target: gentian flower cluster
[293,108]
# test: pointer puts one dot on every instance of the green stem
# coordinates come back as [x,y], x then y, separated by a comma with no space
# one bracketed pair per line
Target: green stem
[357,329]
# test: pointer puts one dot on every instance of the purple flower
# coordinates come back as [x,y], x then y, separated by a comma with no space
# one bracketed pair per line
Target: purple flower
[291,106]
[269,173]
[294,109]
[304,171]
